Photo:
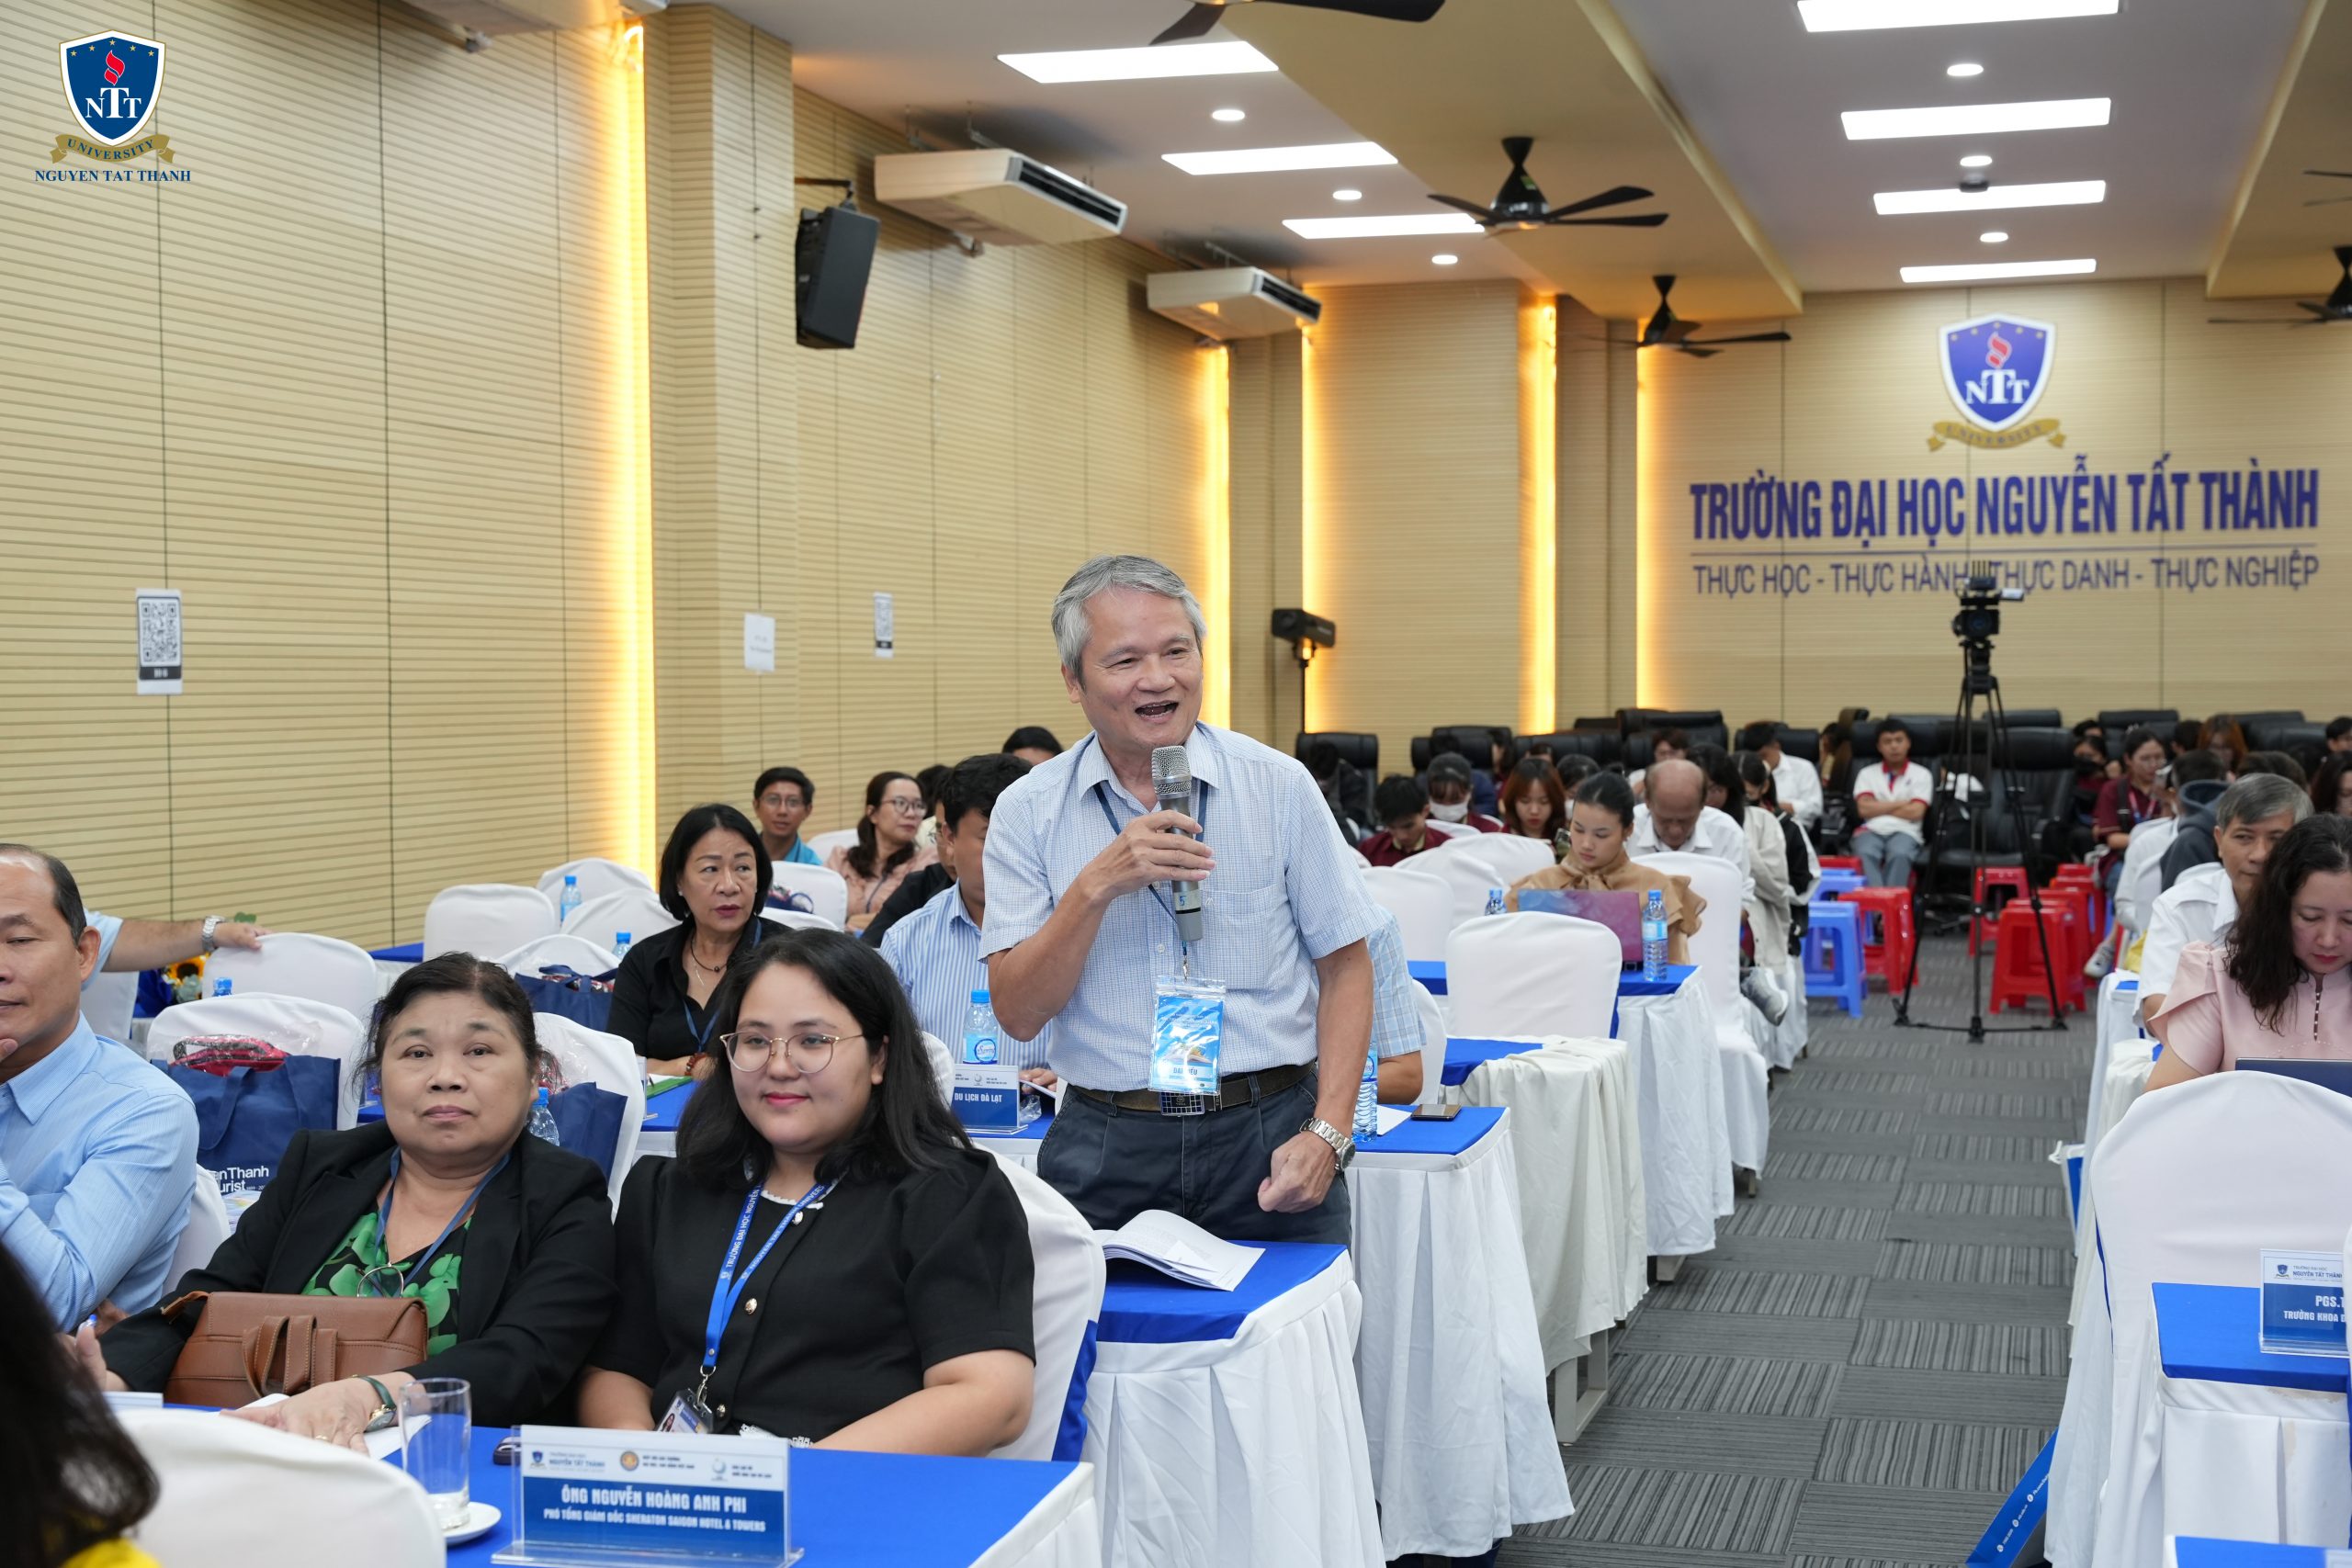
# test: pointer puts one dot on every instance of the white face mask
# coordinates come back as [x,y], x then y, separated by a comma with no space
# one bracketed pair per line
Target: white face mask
[1459,811]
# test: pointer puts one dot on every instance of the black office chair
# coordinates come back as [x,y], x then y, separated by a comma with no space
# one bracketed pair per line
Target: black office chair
[2115,721]
[1705,728]
[1359,751]
[2035,719]
[1475,741]
[2267,731]
[1803,744]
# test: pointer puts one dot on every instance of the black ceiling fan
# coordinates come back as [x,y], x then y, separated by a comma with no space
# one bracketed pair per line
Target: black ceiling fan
[1206,14]
[1519,204]
[2336,307]
[2329,174]
[1665,330]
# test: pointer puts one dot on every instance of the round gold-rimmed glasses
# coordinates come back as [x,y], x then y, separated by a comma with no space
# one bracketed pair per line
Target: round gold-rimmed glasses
[810,1053]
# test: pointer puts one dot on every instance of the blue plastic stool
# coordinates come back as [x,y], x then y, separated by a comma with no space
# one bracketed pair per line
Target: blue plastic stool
[1833,882]
[1833,955]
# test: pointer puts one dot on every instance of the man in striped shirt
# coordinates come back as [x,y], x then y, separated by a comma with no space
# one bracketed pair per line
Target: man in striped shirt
[936,951]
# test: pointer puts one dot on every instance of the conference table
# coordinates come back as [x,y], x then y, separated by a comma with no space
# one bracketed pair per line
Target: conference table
[2205,1552]
[854,1508]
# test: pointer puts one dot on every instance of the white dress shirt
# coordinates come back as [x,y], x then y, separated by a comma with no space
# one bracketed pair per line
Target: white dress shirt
[1715,835]
[1798,784]
[2200,907]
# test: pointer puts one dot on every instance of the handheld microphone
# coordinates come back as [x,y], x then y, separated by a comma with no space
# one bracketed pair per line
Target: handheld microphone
[1171,780]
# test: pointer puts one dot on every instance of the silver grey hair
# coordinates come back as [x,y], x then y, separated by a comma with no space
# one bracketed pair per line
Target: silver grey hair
[2260,796]
[1104,572]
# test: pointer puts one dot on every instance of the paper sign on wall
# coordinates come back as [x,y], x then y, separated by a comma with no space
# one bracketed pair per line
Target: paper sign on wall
[2303,1302]
[759,643]
[882,626]
[160,649]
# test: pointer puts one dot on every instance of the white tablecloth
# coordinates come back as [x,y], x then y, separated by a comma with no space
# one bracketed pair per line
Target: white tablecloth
[1246,1452]
[1686,1145]
[1065,1530]
[2119,1069]
[1449,1362]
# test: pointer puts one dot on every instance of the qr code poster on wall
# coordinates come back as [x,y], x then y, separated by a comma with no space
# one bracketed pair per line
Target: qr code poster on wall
[160,649]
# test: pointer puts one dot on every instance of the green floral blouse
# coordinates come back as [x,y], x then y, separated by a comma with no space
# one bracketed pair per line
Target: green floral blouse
[348,1266]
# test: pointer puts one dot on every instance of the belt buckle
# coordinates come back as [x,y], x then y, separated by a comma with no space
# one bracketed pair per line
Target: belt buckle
[1186,1104]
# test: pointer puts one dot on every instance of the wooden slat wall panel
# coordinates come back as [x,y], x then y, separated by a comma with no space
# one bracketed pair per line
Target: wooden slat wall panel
[1583,577]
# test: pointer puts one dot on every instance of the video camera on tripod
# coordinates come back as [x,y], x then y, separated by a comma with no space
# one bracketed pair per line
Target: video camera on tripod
[1979,621]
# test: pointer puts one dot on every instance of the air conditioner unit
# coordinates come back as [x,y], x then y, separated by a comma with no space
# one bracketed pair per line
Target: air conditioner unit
[1232,301]
[998,195]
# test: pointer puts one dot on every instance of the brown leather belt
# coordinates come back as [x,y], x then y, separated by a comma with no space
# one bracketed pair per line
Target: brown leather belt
[1239,1089]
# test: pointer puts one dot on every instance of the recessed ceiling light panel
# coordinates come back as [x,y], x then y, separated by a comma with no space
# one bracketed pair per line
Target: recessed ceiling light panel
[1964,68]
[1976,119]
[1229,117]
[1856,15]
[1271,160]
[1444,258]
[1977,161]
[1347,193]
[1978,272]
[1950,198]
[1383,227]
[1140,64]
[1995,237]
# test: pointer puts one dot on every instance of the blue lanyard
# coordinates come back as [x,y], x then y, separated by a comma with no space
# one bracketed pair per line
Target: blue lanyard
[700,1037]
[384,1219]
[730,1287]
[1200,814]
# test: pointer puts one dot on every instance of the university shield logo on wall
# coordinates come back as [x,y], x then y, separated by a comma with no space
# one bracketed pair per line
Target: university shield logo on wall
[111,83]
[1994,367]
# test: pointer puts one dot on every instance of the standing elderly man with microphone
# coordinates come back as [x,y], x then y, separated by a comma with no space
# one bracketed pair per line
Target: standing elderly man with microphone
[1175,898]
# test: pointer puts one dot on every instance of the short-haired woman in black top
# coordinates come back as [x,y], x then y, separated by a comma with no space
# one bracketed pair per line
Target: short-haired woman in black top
[879,1292]
[715,878]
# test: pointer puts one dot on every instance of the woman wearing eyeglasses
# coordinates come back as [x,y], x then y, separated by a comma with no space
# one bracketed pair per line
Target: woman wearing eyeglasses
[828,1257]
[507,1240]
[715,878]
[886,849]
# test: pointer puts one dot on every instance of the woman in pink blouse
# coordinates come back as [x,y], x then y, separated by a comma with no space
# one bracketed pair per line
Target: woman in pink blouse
[2282,985]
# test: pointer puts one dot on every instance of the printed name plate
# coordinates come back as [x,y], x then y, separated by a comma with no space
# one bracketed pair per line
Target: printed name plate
[585,1497]
[2303,1303]
[989,1098]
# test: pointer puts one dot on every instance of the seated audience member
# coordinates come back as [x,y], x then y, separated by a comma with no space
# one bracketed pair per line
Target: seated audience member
[936,950]
[1800,868]
[898,1319]
[1574,768]
[2186,735]
[1450,785]
[1838,754]
[2265,992]
[928,780]
[1676,818]
[1397,1033]
[1341,783]
[919,887]
[715,876]
[1891,797]
[77,1484]
[1404,811]
[1486,783]
[2250,818]
[2196,780]
[129,946]
[97,1149]
[2277,763]
[1600,826]
[2123,804]
[2224,738]
[781,799]
[1033,743]
[1764,907]
[506,1238]
[1667,746]
[886,851]
[2332,785]
[2093,770]
[2339,733]
[1535,803]
[1796,783]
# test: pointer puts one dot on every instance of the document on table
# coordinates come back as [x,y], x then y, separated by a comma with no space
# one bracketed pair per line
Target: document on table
[1180,1249]
[1387,1119]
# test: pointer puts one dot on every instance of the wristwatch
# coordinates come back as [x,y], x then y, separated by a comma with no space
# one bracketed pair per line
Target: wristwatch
[1343,1147]
[386,1412]
[211,942]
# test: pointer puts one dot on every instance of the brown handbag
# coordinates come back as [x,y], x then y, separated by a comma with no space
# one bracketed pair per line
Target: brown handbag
[247,1344]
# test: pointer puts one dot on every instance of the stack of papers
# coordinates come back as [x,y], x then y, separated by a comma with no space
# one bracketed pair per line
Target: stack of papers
[1180,1249]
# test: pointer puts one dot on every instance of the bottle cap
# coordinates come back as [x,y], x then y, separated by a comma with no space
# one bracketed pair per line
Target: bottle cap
[571,879]
[620,936]
[979,998]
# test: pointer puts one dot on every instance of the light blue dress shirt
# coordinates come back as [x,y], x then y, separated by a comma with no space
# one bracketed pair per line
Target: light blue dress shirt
[97,1166]
[1396,1011]
[1286,893]
[936,953]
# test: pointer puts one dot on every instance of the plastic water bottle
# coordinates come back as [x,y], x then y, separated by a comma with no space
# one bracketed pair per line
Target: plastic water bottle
[1653,935]
[224,985]
[980,1031]
[542,1120]
[620,944]
[570,900]
[1368,1098]
[1494,900]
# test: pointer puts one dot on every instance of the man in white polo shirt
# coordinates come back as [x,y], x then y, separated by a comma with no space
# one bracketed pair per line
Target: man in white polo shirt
[1891,797]
[2249,820]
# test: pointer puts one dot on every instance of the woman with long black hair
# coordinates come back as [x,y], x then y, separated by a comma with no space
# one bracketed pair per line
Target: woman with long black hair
[75,1483]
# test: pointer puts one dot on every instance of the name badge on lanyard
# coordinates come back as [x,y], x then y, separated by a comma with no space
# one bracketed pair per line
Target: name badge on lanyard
[1187,1016]
[690,1412]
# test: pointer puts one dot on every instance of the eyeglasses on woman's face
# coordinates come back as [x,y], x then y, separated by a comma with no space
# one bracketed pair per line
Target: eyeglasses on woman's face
[904,804]
[751,1051]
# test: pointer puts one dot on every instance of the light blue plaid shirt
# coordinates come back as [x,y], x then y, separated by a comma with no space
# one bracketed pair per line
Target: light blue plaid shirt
[1396,1011]
[936,952]
[1286,893]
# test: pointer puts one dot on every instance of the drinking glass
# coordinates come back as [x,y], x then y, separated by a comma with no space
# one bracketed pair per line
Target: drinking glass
[436,1443]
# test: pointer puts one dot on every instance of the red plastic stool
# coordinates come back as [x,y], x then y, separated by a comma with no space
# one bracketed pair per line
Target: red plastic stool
[1842,863]
[2076,874]
[2076,901]
[1888,935]
[2018,973]
[2009,877]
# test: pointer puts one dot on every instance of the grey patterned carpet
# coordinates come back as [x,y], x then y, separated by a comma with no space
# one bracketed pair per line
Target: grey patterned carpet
[1864,1365]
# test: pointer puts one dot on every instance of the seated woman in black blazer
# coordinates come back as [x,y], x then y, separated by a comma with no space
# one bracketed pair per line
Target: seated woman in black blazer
[508,1240]
[869,1269]
[715,877]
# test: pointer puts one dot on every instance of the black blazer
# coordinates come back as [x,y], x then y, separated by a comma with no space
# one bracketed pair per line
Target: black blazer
[537,1276]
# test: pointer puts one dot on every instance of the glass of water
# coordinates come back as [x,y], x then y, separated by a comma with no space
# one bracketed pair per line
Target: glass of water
[436,1443]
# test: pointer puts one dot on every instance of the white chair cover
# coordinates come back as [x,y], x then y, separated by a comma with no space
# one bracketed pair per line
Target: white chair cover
[1747,1119]
[1507,853]
[795,920]
[207,1227]
[1451,829]
[1067,1301]
[824,889]
[483,917]
[2143,876]
[575,953]
[1686,1139]
[602,920]
[1358,854]
[235,1495]
[942,1059]
[597,877]
[1468,876]
[590,1055]
[1532,974]
[1434,1034]
[294,964]
[107,1003]
[823,844]
[296,1025]
[2192,1183]
[1422,903]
